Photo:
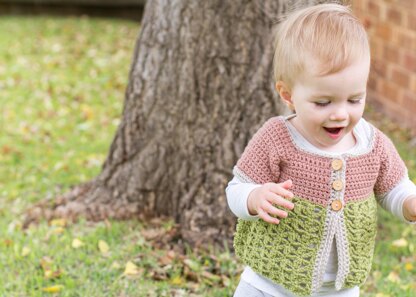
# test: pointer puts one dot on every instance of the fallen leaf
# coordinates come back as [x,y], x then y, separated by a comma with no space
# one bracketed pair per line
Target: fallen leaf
[377,275]
[48,273]
[193,265]
[177,281]
[58,230]
[394,277]
[159,274]
[115,265]
[399,243]
[210,276]
[25,251]
[58,222]
[165,260]
[225,281]
[6,149]
[46,263]
[53,289]
[153,233]
[190,275]
[131,269]
[76,243]
[382,295]
[103,247]
[56,274]
[87,111]
[8,242]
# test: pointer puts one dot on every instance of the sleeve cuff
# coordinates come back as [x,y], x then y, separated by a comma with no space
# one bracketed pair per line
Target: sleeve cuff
[237,195]
[393,201]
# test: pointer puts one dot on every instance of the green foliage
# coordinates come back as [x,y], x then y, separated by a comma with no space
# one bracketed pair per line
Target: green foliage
[62,84]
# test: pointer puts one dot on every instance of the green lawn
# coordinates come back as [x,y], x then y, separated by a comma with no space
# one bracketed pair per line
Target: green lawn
[62,83]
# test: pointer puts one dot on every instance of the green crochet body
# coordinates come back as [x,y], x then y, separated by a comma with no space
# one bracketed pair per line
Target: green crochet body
[361,223]
[284,253]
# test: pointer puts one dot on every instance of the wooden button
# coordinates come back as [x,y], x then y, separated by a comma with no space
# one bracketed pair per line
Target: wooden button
[337,185]
[336,164]
[336,205]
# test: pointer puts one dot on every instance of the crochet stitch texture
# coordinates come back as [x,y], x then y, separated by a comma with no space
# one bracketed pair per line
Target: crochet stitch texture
[331,201]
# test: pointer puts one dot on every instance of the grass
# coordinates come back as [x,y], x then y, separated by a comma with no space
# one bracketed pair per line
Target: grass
[62,83]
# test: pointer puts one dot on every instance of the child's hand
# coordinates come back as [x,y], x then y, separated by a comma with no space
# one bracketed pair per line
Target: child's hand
[261,200]
[409,209]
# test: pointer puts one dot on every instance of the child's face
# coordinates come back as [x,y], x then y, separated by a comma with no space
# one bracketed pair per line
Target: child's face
[328,107]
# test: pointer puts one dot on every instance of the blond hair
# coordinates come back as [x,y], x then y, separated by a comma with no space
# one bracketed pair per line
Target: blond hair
[328,34]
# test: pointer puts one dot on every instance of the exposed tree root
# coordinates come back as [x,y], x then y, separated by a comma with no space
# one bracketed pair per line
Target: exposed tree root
[86,200]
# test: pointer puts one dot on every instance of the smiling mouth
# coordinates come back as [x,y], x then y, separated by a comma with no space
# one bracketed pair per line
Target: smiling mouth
[334,132]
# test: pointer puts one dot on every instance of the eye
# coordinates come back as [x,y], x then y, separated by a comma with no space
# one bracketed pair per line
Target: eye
[322,103]
[355,101]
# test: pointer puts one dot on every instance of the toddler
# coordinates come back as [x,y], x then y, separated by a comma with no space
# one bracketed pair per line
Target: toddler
[306,188]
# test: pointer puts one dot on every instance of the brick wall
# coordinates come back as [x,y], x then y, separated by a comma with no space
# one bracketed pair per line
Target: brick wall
[391,26]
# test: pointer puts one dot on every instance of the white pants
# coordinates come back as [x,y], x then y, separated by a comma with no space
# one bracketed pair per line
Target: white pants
[244,289]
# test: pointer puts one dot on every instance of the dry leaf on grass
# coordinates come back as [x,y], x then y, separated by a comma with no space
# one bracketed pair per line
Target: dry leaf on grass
[131,269]
[53,289]
[58,222]
[399,243]
[76,243]
[394,277]
[103,247]
[25,251]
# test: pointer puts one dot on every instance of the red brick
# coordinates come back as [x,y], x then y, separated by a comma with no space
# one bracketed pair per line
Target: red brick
[391,91]
[409,102]
[377,49]
[359,5]
[372,82]
[406,3]
[373,8]
[406,40]
[400,76]
[391,54]
[409,61]
[384,31]
[379,67]
[411,21]
[389,107]
[413,83]
[394,15]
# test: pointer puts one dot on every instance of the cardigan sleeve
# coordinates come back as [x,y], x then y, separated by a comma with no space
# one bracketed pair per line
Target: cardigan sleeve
[394,199]
[259,162]
[392,168]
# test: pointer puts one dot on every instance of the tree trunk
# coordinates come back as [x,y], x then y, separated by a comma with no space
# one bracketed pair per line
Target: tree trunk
[200,85]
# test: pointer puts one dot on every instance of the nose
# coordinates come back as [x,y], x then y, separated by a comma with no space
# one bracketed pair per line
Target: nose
[339,114]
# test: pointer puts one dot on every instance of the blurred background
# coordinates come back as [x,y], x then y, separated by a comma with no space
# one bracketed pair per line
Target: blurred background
[129,9]
[64,69]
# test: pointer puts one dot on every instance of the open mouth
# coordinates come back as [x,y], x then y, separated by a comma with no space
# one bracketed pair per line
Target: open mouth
[334,132]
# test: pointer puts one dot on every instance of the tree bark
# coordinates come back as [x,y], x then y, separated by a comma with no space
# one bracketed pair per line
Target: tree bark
[200,85]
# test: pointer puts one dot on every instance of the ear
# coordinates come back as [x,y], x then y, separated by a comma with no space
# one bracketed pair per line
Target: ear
[285,94]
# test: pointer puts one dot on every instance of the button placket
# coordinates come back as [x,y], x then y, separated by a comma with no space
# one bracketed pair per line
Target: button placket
[336,205]
[336,164]
[338,174]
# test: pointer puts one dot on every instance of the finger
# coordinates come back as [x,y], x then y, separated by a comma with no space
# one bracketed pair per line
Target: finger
[281,191]
[270,209]
[267,218]
[280,201]
[287,184]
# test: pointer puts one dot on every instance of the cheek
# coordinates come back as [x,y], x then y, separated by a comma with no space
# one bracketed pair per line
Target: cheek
[357,113]
[313,117]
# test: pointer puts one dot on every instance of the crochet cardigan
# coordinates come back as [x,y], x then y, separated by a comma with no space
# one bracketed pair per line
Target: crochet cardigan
[334,198]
